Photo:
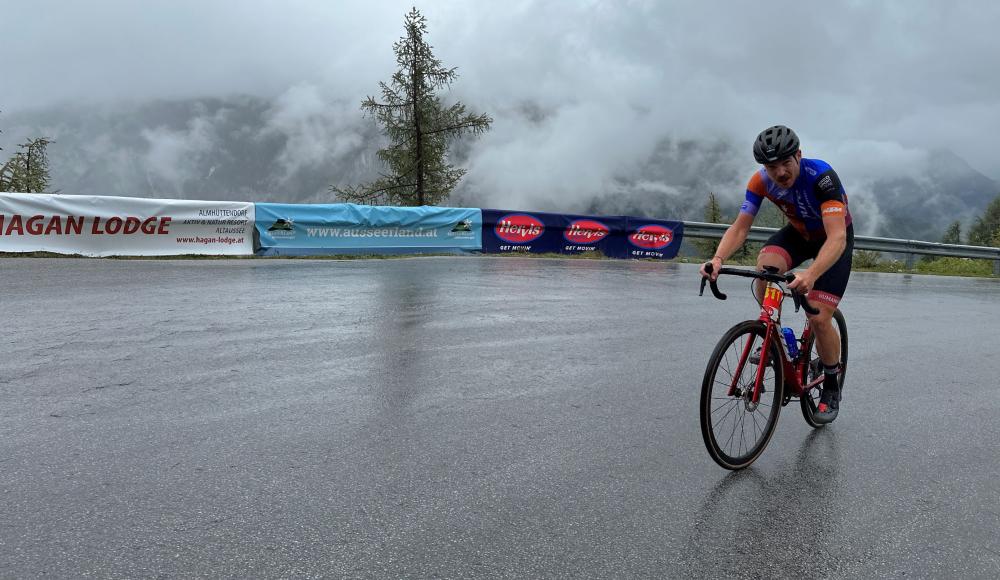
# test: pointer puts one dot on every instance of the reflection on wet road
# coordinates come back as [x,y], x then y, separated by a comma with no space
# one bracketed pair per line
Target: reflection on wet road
[472,416]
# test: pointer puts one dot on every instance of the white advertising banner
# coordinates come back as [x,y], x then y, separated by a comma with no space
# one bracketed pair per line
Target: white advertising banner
[124,226]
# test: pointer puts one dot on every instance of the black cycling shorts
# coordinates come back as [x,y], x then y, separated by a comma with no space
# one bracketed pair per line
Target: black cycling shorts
[795,249]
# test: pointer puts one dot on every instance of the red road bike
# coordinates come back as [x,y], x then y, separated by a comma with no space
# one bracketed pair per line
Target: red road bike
[755,370]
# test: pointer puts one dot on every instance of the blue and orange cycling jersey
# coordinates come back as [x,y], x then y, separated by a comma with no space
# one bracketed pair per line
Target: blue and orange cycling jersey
[816,192]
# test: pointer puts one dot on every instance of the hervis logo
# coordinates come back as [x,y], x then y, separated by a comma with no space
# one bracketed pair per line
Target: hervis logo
[586,232]
[652,237]
[519,228]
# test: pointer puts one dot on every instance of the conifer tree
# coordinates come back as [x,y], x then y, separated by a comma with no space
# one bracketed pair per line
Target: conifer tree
[986,226]
[713,215]
[954,234]
[419,127]
[28,170]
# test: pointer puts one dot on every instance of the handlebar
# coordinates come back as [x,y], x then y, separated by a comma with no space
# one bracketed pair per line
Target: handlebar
[799,299]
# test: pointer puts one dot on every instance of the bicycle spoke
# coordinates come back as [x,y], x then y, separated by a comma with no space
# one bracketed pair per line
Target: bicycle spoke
[739,448]
[753,417]
[737,351]
[739,444]
[753,420]
[746,440]
[732,407]
[725,365]
[761,429]
[743,419]
[732,435]
[723,385]
[732,404]
[729,408]
[742,381]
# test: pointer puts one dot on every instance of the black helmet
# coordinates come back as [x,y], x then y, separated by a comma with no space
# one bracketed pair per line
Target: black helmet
[774,144]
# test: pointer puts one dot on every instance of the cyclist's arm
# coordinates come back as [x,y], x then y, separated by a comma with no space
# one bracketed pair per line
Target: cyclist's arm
[738,231]
[731,241]
[830,194]
[836,241]
[734,236]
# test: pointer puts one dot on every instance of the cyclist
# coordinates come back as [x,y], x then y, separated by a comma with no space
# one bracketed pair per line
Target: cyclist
[819,227]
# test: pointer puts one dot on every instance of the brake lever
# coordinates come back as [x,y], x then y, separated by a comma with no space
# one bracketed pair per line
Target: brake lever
[711,283]
[715,290]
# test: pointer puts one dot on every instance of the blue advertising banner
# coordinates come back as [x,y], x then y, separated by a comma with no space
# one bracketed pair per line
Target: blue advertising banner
[343,228]
[539,232]
[648,238]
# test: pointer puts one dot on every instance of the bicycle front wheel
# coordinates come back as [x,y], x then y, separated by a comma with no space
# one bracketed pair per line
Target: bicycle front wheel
[735,428]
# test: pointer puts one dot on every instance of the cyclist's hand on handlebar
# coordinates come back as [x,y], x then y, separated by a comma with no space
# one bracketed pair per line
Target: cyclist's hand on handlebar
[803,282]
[716,263]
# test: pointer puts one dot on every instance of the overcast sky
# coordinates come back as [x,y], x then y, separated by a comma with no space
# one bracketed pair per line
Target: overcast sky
[864,83]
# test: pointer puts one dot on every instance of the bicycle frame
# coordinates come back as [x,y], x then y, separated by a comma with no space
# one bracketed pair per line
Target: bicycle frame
[794,371]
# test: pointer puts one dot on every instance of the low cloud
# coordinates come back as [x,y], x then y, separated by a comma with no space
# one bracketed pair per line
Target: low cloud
[174,155]
[584,94]
[317,129]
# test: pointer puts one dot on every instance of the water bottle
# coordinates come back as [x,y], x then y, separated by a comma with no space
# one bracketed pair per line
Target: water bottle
[790,342]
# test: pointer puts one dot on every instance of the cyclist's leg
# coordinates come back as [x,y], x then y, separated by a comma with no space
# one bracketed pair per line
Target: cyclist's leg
[827,339]
[825,296]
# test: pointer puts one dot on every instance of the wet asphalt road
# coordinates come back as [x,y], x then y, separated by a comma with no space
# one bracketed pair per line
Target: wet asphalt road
[472,417]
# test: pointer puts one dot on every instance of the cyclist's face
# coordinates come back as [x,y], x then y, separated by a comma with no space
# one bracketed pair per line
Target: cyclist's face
[786,171]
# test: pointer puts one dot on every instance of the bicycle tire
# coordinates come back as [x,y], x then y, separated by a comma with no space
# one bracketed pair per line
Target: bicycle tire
[725,359]
[809,401]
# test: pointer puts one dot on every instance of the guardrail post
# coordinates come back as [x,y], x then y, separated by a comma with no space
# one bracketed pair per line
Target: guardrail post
[910,260]
[996,267]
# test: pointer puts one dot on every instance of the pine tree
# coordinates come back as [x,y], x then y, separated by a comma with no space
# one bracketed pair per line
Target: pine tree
[954,234]
[713,211]
[986,226]
[713,215]
[27,171]
[419,127]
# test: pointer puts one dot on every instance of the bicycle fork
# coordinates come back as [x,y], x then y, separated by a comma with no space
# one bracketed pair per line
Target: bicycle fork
[758,381]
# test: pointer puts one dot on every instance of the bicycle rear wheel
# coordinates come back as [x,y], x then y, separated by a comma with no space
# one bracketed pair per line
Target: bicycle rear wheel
[809,401]
[735,429]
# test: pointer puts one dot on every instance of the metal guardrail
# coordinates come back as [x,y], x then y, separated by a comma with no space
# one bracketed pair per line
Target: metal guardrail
[908,247]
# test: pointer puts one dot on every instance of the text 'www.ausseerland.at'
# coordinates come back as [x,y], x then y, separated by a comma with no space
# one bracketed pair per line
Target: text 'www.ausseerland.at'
[372,233]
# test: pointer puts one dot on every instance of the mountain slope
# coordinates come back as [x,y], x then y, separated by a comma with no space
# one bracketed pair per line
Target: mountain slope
[293,148]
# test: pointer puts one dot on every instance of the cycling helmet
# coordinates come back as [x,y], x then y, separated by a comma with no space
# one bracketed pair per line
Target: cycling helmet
[774,144]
